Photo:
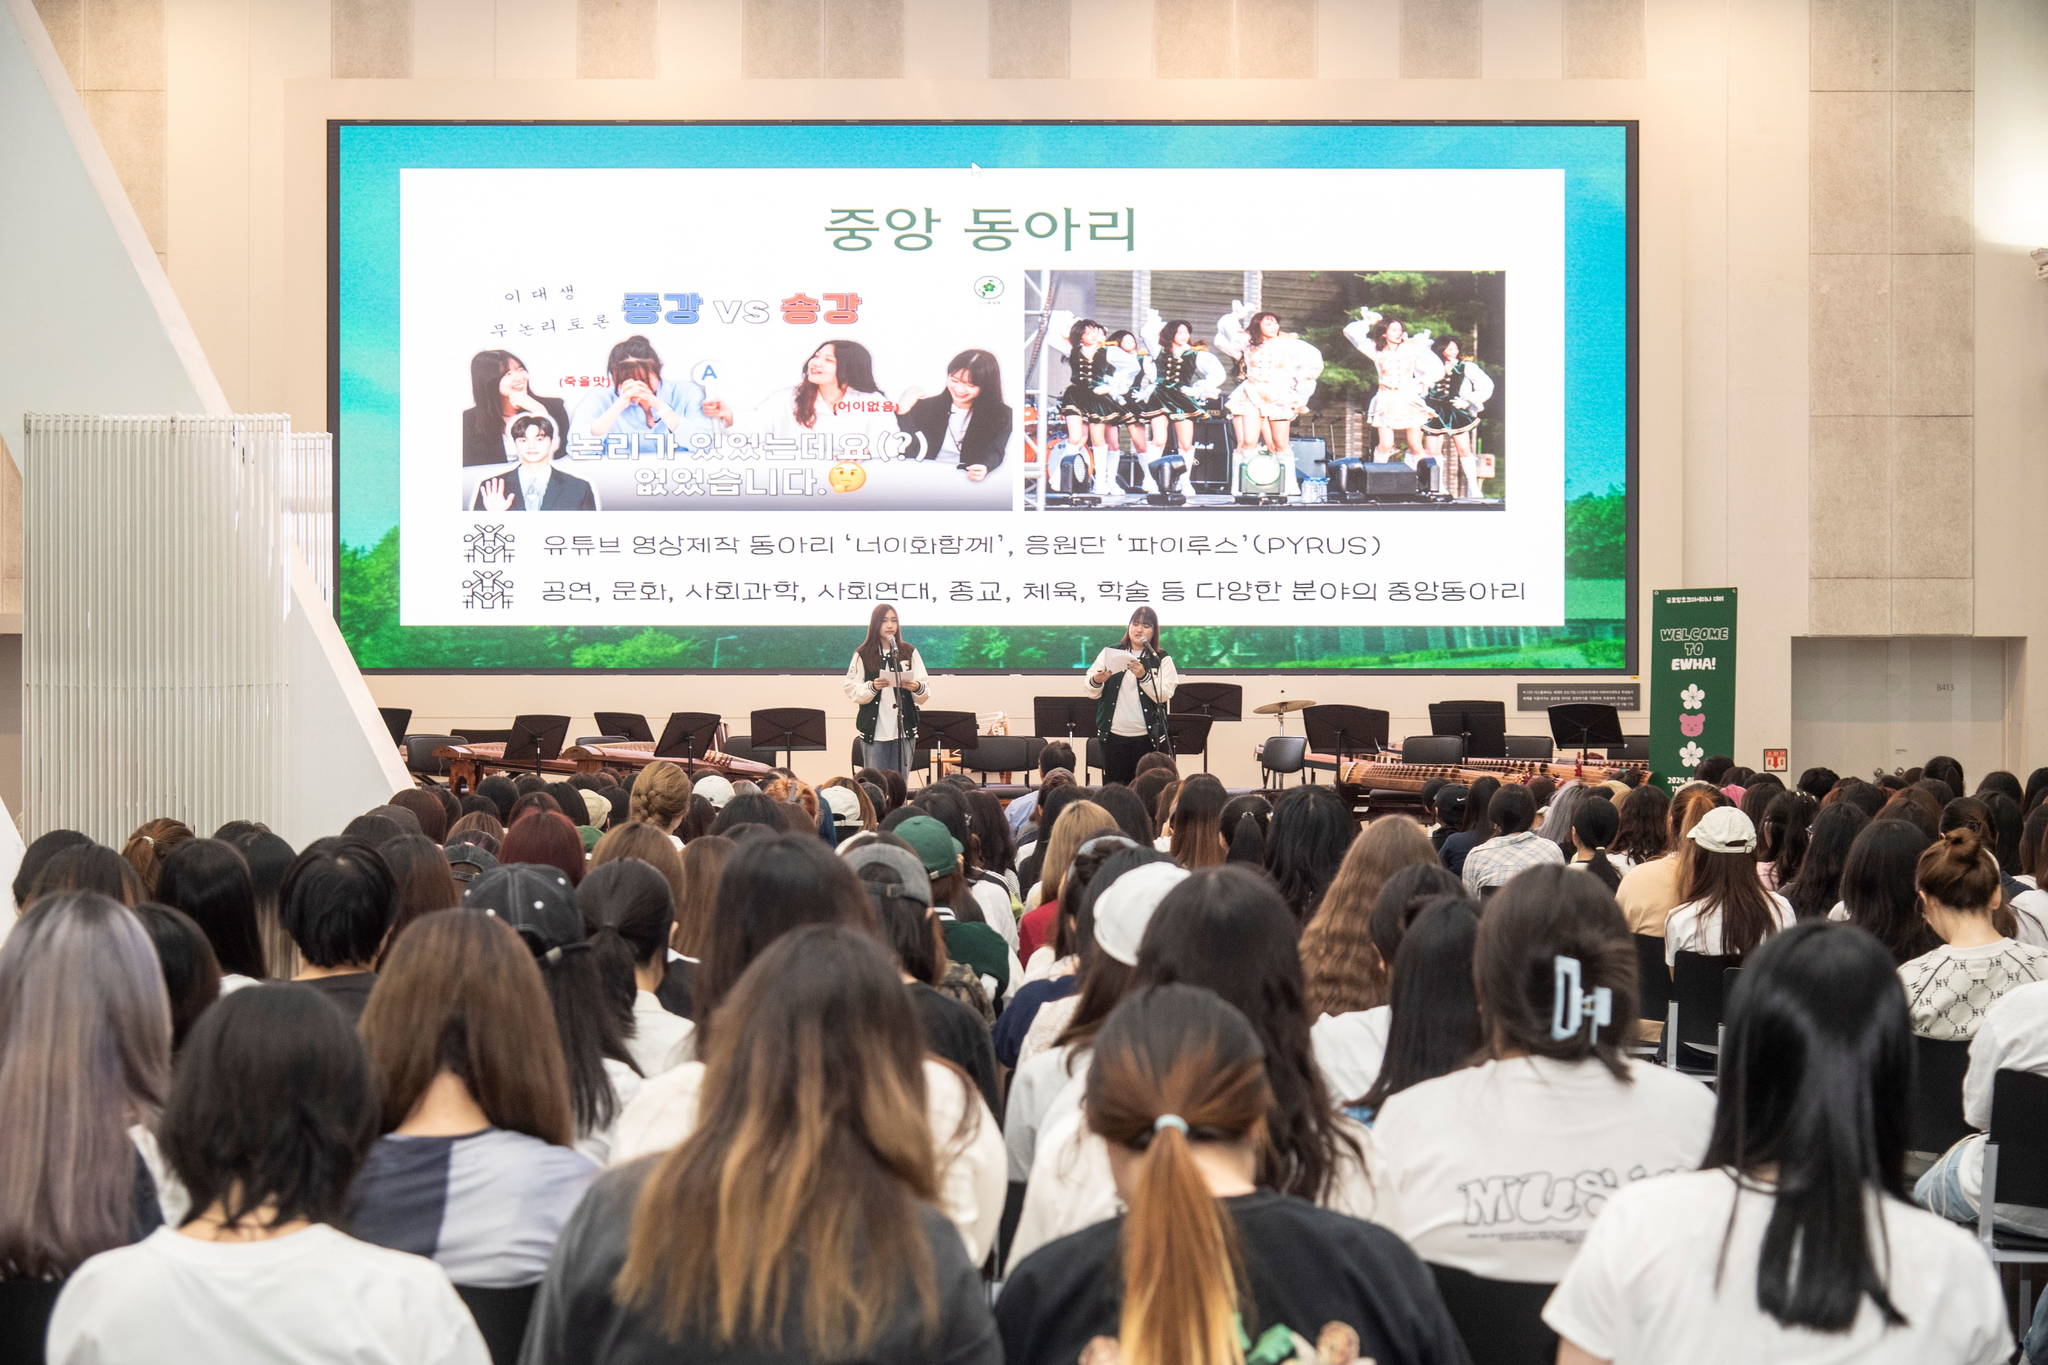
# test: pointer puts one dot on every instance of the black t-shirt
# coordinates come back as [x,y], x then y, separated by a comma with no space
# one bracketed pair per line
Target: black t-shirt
[955,1032]
[1330,1279]
[576,1320]
[349,992]
[677,990]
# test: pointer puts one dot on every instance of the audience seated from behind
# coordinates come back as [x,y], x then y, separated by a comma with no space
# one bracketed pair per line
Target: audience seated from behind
[968,938]
[423,881]
[1311,831]
[1818,887]
[1594,826]
[1055,971]
[590,1021]
[474,1169]
[1228,931]
[1878,891]
[1654,888]
[1209,1262]
[1475,827]
[269,1120]
[338,903]
[1513,847]
[1077,822]
[1056,756]
[1433,1025]
[1726,912]
[209,880]
[1949,988]
[628,913]
[1794,1242]
[191,976]
[1498,1168]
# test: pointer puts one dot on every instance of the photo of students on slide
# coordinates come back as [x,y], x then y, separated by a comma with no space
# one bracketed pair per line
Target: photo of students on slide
[536,485]
[640,400]
[501,389]
[968,426]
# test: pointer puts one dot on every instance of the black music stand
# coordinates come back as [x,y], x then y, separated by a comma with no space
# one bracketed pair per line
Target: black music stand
[1188,734]
[938,730]
[1482,724]
[630,724]
[536,737]
[1345,731]
[787,729]
[1068,718]
[688,736]
[1217,701]
[1585,725]
[397,719]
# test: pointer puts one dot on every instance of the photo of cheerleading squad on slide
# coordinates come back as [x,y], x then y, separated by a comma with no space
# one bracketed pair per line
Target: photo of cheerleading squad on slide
[1335,388]
[656,436]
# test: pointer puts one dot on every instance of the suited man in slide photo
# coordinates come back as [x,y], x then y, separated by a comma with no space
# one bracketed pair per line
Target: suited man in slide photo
[536,485]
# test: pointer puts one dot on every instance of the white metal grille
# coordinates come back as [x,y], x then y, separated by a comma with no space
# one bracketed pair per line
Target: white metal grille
[309,507]
[153,661]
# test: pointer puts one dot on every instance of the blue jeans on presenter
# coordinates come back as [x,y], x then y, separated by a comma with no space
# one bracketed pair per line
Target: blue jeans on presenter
[890,755]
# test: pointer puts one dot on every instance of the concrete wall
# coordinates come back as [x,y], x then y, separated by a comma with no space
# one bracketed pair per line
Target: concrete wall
[1808,178]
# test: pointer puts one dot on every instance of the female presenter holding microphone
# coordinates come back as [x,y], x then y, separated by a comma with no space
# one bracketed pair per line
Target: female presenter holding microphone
[1133,683]
[887,681]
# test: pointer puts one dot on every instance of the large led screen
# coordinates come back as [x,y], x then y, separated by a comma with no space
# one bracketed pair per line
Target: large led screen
[1329,397]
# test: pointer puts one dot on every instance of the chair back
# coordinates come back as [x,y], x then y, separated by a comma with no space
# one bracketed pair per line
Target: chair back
[501,1316]
[2019,1128]
[1283,754]
[1530,747]
[1653,983]
[1091,756]
[419,754]
[586,741]
[1698,983]
[998,754]
[742,746]
[1433,749]
[1935,1122]
[25,1308]
[1501,1320]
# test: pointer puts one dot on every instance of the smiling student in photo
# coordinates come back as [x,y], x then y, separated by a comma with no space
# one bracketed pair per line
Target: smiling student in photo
[535,485]
[968,426]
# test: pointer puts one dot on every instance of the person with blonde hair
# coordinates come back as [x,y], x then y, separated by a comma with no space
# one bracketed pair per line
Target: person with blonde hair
[661,797]
[1342,971]
[1076,825]
[1652,889]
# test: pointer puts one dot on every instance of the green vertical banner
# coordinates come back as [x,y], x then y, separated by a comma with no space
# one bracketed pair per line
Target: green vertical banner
[1692,680]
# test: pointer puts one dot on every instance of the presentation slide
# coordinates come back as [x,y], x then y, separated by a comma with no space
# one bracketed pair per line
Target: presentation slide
[1015,379]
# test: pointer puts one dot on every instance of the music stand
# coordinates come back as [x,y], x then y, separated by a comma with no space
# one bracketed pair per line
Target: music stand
[1585,725]
[786,729]
[1217,701]
[536,737]
[688,736]
[938,730]
[1482,724]
[1345,731]
[397,719]
[631,724]
[1188,734]
[1067,718]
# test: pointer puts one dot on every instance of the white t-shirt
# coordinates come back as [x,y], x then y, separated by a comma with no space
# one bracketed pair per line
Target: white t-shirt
[626,1085]
[1034,1085]
[1349,1048]
[994,900]
[2031,909]
[317,1295]
[1695,927]
[1643,1290]
[1499,1169]
[661,1040]
[971,1170]
[2012,1036]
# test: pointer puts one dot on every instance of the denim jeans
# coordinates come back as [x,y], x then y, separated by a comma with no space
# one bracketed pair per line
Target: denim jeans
[1940,1190]
[890,755]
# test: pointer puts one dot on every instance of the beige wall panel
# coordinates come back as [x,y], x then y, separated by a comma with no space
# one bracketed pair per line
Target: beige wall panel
[1603,40]
[64,21]
[124,45]
[864,39]
[1932,606]
[1030,39]
[781,39]
[455,39]
[1933,171]
[1191,39]
[1849,171]
[1934,40]
[948,40]
[618,39]
[1521,40]
[130,124]
[1440,39]
[1845,606]
[372,39]
[209,139]
[536,40]
[1276,39]
[1932,331]
[1851,330]
[1849,492]
[1358,39]
[1852,45]
[700,39]
[1933,498]
[1112,42]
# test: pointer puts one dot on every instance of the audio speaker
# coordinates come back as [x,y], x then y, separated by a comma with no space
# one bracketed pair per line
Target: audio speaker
[1393,479]
[1209,462]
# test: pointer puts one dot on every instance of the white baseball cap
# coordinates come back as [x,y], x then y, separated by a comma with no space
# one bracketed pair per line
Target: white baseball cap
[714,789]
[1725,829]
[845,804]
[1124,910]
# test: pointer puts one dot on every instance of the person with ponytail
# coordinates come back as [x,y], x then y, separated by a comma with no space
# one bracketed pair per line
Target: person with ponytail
[1949,988]
[1195,830]
[628,910]
[1208,1266]
[1793,1242]
[1244,823]
[1498,1169]
[1594,825]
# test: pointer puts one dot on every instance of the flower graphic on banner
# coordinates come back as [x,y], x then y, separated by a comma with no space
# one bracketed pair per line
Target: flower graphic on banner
[1691,755]
[1692,697]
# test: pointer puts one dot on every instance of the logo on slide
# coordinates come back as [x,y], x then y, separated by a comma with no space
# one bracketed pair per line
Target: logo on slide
[988,288]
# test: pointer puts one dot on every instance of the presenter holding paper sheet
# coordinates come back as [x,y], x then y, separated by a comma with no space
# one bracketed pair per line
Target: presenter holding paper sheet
[1133,683]
[887,682]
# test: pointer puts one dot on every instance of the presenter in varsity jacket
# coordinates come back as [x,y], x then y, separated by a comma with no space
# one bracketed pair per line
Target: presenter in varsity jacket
[887,682]
[535,485]
[1130,713]
[968,426]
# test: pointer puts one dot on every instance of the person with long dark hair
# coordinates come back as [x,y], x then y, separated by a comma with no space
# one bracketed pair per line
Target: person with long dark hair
[1497,1169]
[1207,1257]
[1452,405]
[1311,831]
[209,880]
[1224,929]
[1405,368]
[1132,684]
[836,396]
[1878,894]
[1818,887]
[629,911]
[1641,835]
[1726,911]
[642,401]
[1475,828]
[1594,825]
[1782,837]
[1793,1241]
[1278,370]
[1433,1025]
[968,426]
[1190,379]
[1089,400]
[501,390]
[1652,889]
[887,681]
[1244,822]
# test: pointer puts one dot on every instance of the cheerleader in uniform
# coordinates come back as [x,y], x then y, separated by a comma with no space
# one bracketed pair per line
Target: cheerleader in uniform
[1088,403]
[1189,380]
[1279,373]
[1455,401]
[1130,385]
[1406,368]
